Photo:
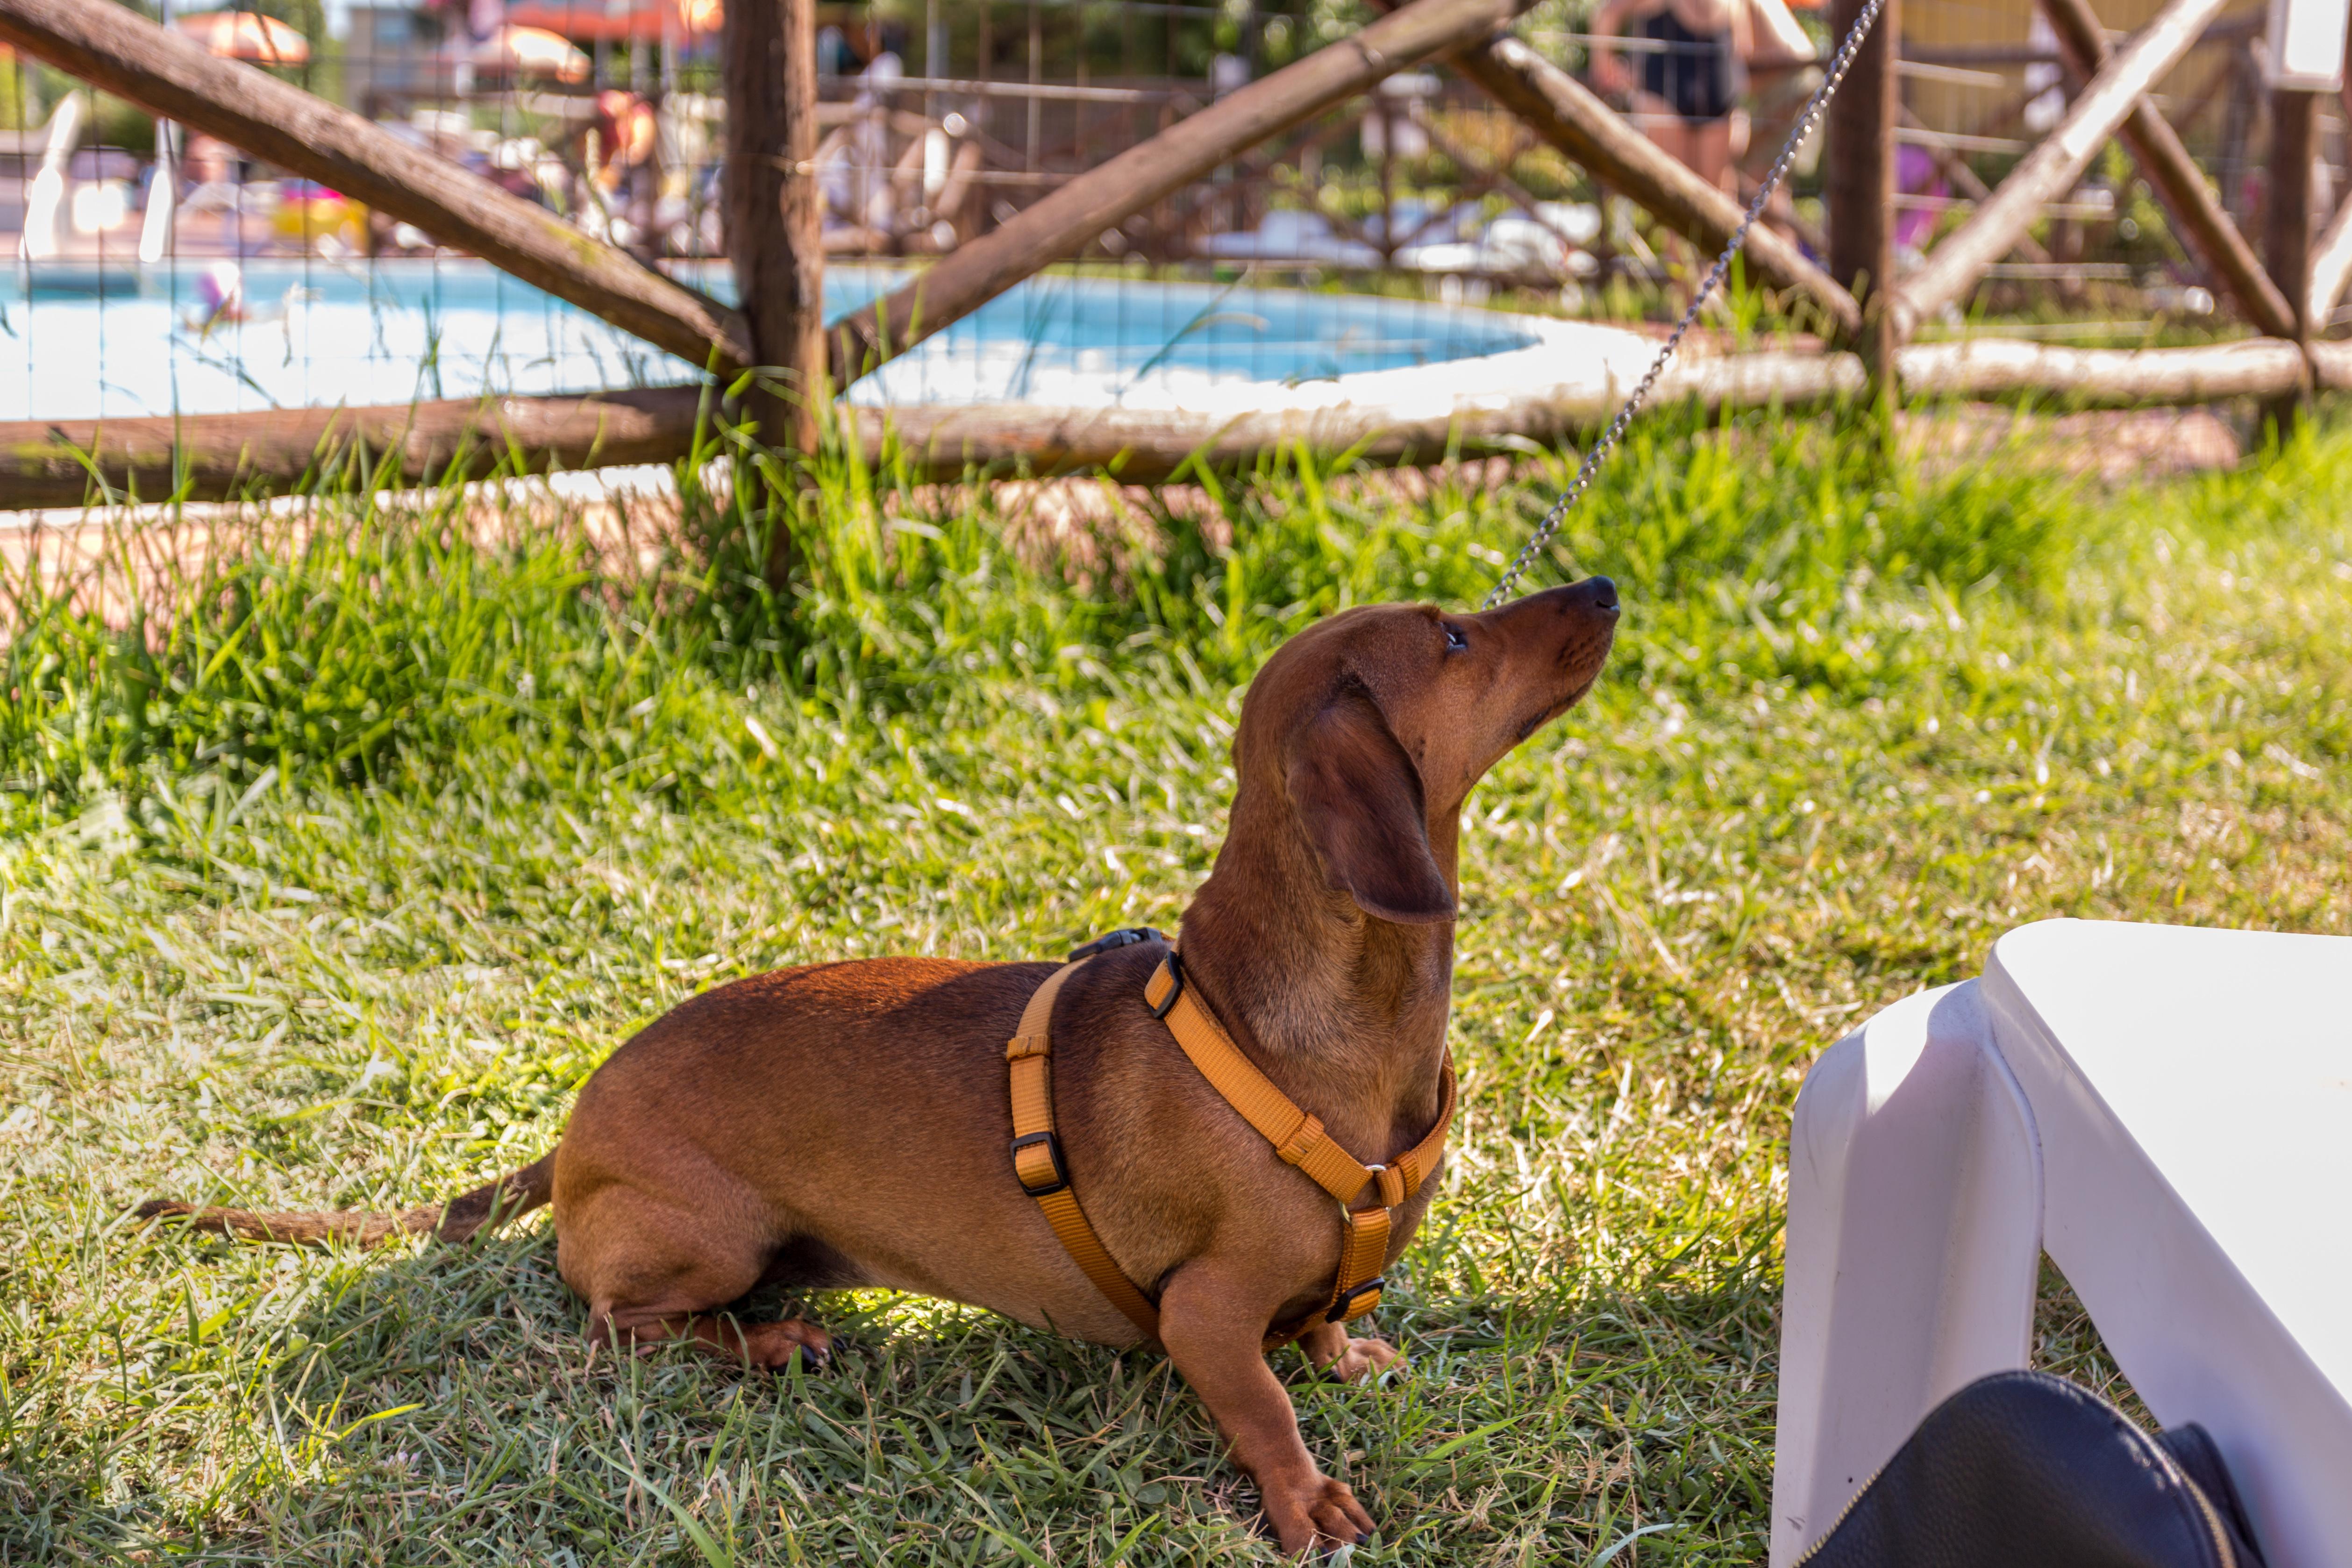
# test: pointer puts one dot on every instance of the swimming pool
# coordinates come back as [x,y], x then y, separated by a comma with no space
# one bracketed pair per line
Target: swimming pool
[79,341]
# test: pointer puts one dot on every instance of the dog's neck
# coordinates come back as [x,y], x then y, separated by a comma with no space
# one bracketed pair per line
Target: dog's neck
[1347,1011]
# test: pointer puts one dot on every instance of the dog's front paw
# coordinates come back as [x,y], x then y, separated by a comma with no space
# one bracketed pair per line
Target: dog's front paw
[1316,1510]
[1334,1354]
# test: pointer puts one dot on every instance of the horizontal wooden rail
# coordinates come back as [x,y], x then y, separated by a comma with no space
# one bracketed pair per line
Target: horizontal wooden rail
[114,48]
[215,457]
[51,462]
[46,462]
[2004,368]
[1142,445]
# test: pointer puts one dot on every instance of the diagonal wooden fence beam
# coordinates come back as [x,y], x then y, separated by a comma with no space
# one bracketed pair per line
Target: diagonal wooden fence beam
[2196,211]
[2050,170]
[1567,114]
[1057,227]
[114,48]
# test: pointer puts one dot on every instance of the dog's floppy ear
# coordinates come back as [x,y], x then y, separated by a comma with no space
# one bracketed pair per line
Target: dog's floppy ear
[1358,798]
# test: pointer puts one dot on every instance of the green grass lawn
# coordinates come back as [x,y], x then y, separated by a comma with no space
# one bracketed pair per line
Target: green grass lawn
[330,879]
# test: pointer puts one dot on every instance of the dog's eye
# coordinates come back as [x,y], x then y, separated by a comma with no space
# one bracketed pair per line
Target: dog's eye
[1454,641]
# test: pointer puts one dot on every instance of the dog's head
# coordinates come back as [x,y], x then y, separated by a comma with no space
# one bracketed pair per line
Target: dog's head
[1369,729]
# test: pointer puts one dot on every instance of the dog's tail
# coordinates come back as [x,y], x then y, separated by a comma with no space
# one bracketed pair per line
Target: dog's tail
[456,1220]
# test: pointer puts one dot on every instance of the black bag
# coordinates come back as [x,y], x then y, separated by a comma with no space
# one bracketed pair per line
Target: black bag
[2022,1470]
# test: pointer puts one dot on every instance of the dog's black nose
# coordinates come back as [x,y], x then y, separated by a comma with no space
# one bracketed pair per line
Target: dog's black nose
[1603,592]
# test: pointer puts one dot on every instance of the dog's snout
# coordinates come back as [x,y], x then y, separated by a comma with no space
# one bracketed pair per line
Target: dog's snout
[1578,602]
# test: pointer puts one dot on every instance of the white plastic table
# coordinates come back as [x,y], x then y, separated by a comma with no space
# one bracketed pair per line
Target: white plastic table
[2167,1112]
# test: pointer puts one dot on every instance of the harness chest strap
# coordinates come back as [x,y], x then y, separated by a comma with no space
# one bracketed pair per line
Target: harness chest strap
[1037,1156]
[1298,1139]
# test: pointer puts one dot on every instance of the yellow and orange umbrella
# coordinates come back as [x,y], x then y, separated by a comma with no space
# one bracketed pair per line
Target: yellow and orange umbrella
[247,36]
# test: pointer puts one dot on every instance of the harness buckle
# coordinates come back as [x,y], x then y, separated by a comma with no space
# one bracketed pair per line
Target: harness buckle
[1060,1179]
[1127,936]
[1175,986]
[1346,1307]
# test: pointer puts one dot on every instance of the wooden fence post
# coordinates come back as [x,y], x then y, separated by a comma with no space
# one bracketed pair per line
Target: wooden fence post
[773,216]
[2286,221]
[2286,198]
[1861,176]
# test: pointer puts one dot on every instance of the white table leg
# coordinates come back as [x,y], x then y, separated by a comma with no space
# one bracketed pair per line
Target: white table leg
[1914,1245]
[2144,1234]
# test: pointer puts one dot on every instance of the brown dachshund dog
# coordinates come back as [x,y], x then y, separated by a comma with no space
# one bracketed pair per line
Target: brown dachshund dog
[847,1124]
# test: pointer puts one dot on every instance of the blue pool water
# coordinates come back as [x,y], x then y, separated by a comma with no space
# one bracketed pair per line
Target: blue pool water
[79,341]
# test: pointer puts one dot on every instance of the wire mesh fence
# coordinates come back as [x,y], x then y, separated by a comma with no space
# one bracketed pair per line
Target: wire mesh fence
[158,270]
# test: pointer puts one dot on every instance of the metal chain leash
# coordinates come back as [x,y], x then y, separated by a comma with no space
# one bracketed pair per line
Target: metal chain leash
[1838,65]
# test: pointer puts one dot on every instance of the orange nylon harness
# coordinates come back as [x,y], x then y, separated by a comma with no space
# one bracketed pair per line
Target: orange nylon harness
[1298,1139]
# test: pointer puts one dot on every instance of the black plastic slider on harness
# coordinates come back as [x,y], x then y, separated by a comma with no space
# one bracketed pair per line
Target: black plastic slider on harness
[1126,937]
[1060,1181]
[1345,1307]
[1175,987]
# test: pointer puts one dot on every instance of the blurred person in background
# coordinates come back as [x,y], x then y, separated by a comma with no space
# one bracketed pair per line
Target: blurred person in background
[1687,79]
[861,207]
[619,161]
